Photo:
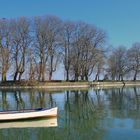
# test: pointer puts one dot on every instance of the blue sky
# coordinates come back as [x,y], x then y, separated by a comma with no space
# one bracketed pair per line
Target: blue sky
[119,18]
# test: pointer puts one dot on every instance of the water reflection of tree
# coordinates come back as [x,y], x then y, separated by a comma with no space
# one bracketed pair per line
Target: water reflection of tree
[19,100]
[5,104]
[85,113]
[51,101]
[124,102]
[116,98]
[32,99]
[135,112]
[82,116]
[41,98]
[137,98]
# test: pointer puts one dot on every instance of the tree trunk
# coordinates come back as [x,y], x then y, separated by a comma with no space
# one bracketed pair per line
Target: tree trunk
[135,76]
[43,74]
[51,69]
[82,77]
[96,77]
[43,77]
[20,74]
[76,77]
[15,76]
[50,75]
[86,77]
[4,77]
[67,75]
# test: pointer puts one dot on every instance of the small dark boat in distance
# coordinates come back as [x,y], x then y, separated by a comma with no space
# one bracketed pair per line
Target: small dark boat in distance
[28,114]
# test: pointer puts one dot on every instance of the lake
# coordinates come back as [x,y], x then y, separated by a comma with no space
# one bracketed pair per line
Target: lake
[93,114]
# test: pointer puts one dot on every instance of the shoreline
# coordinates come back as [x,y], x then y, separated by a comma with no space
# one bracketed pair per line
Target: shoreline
[69,85]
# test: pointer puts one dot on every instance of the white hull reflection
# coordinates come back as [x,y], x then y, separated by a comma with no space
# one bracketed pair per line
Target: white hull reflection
[51,122]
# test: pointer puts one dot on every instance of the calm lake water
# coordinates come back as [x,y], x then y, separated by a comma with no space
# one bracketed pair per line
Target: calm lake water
[103,114]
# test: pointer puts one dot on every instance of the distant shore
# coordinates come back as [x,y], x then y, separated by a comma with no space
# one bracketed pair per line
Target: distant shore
[66,85]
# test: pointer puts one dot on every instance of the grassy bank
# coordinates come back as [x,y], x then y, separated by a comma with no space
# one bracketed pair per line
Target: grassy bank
[46,84]
[67,85]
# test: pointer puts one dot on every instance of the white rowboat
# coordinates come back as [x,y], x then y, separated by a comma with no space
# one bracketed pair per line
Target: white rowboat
[28,114]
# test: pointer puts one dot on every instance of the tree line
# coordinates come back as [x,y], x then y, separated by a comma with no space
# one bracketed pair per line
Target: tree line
[33,49]
[124,63]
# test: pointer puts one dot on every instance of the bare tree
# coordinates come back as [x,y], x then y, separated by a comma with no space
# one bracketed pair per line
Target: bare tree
[67,41]
[47,45]
[36,46]
[133,55]
[112,67]
[117,63]
[21,42]
[53,42]
[40,46]
[5,47]
[86,47]
[33,70]
[100,64]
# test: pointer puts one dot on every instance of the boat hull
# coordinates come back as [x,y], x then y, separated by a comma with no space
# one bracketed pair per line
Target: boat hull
[28,115]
